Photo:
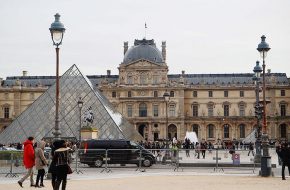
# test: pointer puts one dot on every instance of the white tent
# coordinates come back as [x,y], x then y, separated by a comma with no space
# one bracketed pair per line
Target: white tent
[191,135]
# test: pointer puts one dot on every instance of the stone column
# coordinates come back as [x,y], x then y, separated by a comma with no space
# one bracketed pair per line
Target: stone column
[150,132]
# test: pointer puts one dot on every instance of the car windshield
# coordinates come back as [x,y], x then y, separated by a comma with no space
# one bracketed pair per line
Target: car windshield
[135,145]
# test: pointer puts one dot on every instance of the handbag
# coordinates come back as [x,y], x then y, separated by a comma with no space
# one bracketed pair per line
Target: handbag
[69,170]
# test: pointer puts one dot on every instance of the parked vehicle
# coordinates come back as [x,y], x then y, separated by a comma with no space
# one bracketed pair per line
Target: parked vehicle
[93,153]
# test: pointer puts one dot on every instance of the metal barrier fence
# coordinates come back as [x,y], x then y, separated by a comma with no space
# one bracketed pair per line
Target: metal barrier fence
[108,160]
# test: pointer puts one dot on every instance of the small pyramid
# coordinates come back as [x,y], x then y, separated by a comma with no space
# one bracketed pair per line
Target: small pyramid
[38,120]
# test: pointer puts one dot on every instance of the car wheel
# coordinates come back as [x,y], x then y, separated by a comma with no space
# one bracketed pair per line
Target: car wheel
[147,162]
[98,162]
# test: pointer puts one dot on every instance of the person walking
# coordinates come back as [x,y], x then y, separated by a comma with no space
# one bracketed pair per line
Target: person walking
[28,161]
[284,154]
[40,163]
[52,167]
[251,149]
[62,160]
[187,146]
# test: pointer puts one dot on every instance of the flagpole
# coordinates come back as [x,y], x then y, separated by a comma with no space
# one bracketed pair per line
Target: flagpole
[145,29]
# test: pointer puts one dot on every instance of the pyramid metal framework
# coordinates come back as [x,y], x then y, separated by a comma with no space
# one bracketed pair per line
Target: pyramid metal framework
[38,120]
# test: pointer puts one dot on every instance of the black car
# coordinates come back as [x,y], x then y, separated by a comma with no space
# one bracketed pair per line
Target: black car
[96,152]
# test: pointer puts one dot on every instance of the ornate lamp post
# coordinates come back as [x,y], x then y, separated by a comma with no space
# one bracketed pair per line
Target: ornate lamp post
[263,48]
[80,105]
[257,70]
[57,30]
[166,98]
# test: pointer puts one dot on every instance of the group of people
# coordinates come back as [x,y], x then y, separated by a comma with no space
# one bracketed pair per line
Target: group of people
[59,166]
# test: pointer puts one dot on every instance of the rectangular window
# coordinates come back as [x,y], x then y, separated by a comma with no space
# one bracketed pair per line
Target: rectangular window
[242,94]
[155,79]
[6,96]
[226,131]
[114,94]
[210,110]
[194,94]
[129,110]
[210,131]
[195,110]
[226,110]
[282,92]
[129,94]
[143,79]
[155,110]
[6,113]
[242,110]
[242,131]
[283,110]
[155,93]
[172,110]
[226,93]
[171,93]
[209,93]
[130,80]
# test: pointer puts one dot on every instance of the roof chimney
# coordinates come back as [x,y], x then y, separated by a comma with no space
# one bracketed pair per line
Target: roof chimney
[183,72]
[24,73]
[125,47]
[108,72]
[164,50]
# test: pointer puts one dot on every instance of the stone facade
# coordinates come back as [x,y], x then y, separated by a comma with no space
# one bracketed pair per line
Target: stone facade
[215,106]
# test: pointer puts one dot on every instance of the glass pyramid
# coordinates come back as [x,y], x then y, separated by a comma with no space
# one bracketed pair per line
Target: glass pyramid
[38,120]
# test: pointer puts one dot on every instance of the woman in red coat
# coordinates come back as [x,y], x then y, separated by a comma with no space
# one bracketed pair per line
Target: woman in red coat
[28,161]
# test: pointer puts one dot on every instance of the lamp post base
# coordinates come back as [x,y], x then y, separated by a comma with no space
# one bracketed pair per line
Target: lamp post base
[266,165]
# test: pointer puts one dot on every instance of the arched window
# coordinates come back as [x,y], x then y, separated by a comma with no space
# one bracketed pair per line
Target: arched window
[226,131]
[242,128]
[210,131]
[142,110]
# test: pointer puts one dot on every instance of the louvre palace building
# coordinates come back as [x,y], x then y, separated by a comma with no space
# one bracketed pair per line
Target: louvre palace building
[215,106]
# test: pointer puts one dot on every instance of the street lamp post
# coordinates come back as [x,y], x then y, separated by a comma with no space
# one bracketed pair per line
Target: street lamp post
[166,98]
[57,30]
[263,48]
[80,105]
[257,70]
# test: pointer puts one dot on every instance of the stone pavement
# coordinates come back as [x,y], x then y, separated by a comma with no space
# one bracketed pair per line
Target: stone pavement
[201,179]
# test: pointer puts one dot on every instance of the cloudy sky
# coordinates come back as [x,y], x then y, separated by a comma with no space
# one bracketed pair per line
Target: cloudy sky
[203,36]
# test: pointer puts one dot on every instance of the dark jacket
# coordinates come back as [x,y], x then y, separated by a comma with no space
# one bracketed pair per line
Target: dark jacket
[284,154]
[62,157]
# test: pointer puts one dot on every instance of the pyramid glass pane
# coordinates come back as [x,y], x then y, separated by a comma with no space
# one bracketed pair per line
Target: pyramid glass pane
[38,120]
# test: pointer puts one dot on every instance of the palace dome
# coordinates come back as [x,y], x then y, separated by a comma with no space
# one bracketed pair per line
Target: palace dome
[143,49]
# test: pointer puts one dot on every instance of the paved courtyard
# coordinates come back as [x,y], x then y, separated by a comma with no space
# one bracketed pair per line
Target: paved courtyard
[169,182]
[201,179]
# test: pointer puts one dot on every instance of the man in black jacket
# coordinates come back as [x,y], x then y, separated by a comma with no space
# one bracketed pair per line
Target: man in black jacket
[284,154]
